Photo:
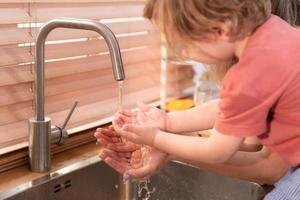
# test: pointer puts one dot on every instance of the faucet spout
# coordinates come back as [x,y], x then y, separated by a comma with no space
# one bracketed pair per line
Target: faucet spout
[91,25]
[40,126]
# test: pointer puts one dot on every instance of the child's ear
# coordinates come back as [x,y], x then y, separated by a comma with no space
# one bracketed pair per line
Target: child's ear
[221,31]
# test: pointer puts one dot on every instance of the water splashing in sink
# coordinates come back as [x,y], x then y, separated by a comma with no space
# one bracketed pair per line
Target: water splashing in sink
[144,189]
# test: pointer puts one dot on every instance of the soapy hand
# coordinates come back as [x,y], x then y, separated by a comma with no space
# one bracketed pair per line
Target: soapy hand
[128,158]
[159,118]
[111,140]
[146,162]
[142,164]
[140,134]
[138,127]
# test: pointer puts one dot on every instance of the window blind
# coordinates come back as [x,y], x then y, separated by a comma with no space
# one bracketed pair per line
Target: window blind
[78,66]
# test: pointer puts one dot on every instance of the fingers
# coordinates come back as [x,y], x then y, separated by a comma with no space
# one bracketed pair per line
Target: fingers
[103,139]
[108,144]
[128,113]
[120,163]
[141,117]
[133,128]
[137,134]
[141,173]
[106,153]
[129,147]
[117,144]
[128,134]
[125,154]
[143,107]
[118,166]
[117,123]
[136,159]
[125,116]
[123,119]
[107,135]
[117,161]
[110,127]
[106,131]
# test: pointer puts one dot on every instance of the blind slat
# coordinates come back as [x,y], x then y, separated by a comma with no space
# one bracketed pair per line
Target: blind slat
[13,55]
[11,34]
[95,78]
[72,1]
[18,13]
[15,94]
[20,74]
[14,13]
[24,92]
[85,95]
[15,74]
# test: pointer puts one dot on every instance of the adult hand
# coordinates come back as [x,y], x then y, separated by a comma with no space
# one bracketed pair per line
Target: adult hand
[124,156]
[110,139]
[143,163]
[146,162]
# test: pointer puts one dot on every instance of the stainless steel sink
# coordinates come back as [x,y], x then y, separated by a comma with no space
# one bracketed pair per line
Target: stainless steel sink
[93,179]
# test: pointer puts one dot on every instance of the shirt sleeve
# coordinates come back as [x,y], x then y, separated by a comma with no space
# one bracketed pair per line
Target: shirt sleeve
[243,108]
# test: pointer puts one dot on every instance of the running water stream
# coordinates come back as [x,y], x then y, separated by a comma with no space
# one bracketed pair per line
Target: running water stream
[120,97]
[143,190]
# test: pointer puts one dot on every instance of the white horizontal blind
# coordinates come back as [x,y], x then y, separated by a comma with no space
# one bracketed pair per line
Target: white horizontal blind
[78,65]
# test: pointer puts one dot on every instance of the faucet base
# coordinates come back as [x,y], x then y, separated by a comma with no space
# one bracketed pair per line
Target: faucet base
[39,145]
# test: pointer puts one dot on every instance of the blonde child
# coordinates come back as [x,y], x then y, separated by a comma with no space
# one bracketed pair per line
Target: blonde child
[252,166]
[260,94]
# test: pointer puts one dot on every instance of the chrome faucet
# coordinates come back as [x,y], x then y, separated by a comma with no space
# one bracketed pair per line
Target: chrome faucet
[41,134]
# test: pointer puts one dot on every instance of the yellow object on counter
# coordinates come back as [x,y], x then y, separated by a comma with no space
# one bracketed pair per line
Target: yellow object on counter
[179,104]
[205,76]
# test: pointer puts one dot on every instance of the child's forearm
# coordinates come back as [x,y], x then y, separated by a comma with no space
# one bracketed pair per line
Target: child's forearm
[216,149]
[198,118]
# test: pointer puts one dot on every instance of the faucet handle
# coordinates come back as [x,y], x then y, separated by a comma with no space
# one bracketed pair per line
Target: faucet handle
[69,115]
[59,134]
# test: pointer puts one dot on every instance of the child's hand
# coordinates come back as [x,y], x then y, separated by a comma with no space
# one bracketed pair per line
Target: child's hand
[155,116]
[140,126]
[125,117]
[137,133]
[158,117]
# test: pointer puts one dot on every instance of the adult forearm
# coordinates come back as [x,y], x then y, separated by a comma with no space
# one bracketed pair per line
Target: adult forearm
[251,166]
[216,149]
[198,118]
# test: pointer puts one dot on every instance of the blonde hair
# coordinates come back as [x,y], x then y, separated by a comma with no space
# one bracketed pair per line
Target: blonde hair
[185,21]
[217,72]
[288,10]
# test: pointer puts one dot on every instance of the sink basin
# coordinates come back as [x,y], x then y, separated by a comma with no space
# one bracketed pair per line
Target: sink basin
[93,179]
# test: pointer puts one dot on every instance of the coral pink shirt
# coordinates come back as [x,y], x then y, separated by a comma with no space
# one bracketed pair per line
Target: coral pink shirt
[261,94]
